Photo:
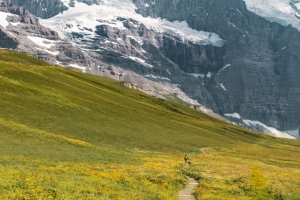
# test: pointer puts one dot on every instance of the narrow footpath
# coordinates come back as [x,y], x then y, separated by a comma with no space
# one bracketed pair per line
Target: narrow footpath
[187,192]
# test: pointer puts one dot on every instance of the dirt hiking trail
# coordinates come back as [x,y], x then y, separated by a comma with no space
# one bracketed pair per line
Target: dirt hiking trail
[187,192]
[204,149]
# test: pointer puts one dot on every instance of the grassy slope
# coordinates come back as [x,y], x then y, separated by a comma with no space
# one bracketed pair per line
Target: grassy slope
[68,135]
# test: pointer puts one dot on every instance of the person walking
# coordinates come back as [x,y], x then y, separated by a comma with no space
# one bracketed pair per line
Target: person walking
[186,159]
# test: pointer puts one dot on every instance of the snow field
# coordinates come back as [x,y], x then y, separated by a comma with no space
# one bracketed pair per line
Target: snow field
[42,41]
[279,11]
[83,16]
[3,17]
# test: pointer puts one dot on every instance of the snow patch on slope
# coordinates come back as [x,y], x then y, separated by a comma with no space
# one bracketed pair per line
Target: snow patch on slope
[197,75]
[266,129]
[223,87]
[42,41]
[3,21]
[140,61]
[274,131]
[83,69]
[15,23]
[51,52]
[234,115]
[84,18]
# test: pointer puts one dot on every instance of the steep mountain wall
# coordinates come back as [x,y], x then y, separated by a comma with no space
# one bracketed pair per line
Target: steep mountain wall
[260,80]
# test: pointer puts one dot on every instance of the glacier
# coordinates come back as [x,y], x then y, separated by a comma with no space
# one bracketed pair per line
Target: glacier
[284,12]
[83,18]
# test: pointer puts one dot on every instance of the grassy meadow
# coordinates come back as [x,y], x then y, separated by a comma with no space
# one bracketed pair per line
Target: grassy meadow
[69,135]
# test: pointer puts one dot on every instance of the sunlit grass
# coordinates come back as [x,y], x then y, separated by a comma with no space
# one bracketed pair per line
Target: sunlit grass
[225,176]
[64,180]
[69,135]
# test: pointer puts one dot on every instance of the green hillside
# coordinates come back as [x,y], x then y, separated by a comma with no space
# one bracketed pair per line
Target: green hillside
[69,135]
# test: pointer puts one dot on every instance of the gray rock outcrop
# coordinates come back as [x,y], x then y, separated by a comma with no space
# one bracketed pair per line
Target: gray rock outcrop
[42,8]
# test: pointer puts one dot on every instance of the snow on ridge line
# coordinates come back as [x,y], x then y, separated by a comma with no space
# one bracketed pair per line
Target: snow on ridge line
[88,16]
[182,31]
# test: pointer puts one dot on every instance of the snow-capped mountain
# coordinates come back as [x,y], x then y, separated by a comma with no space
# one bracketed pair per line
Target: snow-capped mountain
[84,19]
[20,30]
[218,54]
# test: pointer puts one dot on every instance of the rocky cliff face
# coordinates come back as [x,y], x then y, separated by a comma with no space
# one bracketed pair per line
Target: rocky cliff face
[254,73]
[42,8]
[259,79]
[159,57]
[23,32]
[47,9]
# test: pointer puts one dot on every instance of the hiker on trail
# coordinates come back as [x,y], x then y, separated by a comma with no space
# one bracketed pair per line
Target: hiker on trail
[186,159]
